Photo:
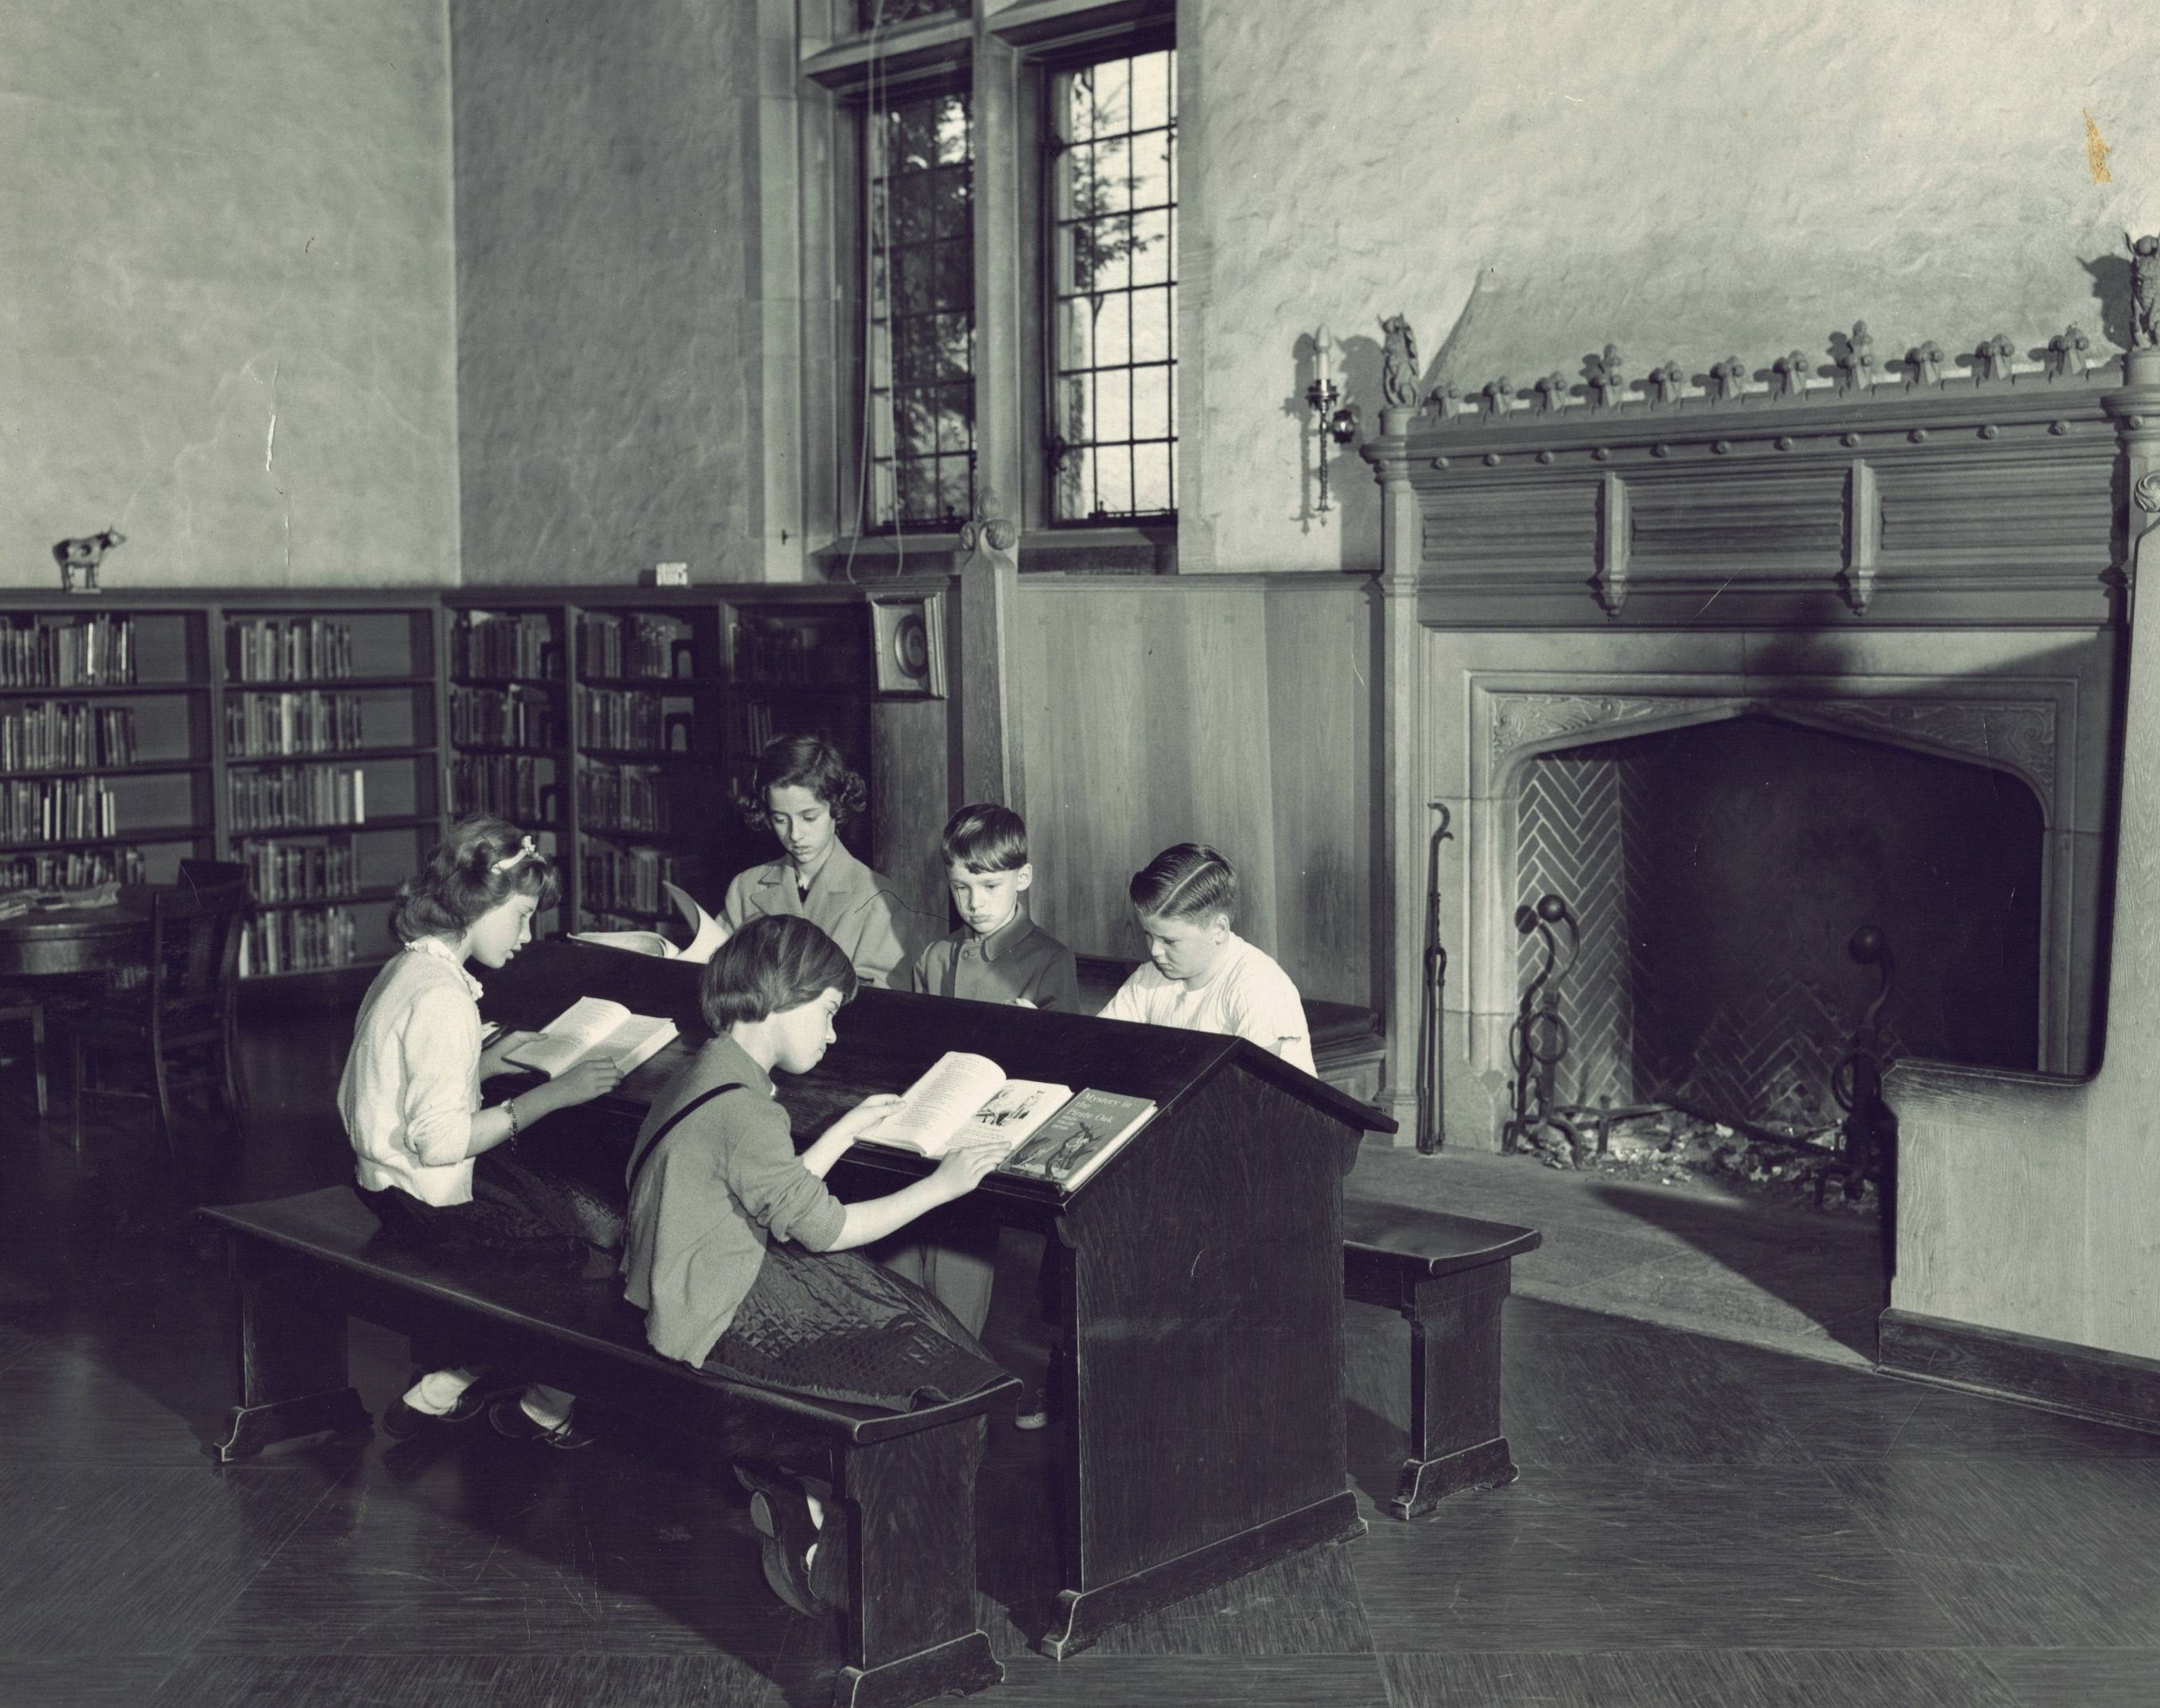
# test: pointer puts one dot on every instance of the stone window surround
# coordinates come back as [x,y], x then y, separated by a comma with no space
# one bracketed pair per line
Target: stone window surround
[999,49]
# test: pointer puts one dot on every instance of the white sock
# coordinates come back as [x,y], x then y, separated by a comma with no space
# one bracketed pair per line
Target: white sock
[435,1392]
[817,1517]
[548,1407]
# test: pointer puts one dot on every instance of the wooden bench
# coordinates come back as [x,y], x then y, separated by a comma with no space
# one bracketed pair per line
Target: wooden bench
[1348,1046]
[905,1481]
[1448,1275]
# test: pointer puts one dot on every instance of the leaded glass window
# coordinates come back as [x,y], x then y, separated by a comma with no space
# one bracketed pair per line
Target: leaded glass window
[921,243]
[1114,288]
[875,14]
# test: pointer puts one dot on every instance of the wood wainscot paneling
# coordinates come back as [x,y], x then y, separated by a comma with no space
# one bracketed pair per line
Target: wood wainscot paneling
[1233,710]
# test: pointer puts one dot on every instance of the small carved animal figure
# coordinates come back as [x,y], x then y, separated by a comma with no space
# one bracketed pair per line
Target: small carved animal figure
[86,555]
[1398,365]
[2144,292]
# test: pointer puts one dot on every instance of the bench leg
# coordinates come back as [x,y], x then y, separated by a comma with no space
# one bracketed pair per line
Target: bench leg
[909,1630]
[1455,1441]
[293,1378]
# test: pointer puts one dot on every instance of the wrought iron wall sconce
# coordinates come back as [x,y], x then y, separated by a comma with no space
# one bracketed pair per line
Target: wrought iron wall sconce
[1333,420]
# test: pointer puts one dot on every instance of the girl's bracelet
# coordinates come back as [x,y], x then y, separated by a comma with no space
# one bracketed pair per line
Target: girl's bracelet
[510,1108]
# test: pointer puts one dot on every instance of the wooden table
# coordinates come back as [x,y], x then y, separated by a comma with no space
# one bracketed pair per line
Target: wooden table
[54,941]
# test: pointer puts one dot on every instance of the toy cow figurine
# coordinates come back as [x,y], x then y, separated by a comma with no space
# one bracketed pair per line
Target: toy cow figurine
[85,555]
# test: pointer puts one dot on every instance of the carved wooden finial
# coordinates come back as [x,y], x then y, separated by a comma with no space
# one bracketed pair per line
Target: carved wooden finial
[2069,352]
[1552,393]
[1445,400]
[985,528]
[1499,396]
[1608,379]
[1730,377]
[1991,360]
[1924,364]
[1791,369]
[1667,382]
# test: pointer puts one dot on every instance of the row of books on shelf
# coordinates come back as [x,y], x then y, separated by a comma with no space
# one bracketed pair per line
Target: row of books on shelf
[483,644]
[284,795]
[307,721]
[287,649]
[502,716]
[750,725]
[300,871]
[79,868]
[634,645]
[50,734]
[770,650]
[623,797]
[626,719]
[85,652]
[508,784]
[59,809]
[631,877]
[297,940]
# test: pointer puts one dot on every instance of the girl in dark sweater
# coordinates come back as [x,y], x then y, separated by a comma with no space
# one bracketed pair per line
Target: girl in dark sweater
[744,1263]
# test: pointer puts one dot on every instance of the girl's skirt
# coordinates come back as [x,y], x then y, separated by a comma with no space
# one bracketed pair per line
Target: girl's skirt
[834,1325]
[514,1213]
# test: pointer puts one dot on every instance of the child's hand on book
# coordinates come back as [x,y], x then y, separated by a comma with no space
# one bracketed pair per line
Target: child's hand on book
[866,1114]
[962,1169]
[492,1061]
[594,1076]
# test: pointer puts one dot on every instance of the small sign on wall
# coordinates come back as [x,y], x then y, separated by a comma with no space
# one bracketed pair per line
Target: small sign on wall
[909,638]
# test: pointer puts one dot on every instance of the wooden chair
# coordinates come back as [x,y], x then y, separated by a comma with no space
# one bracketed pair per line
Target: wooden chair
[24,1004]
[184,1015]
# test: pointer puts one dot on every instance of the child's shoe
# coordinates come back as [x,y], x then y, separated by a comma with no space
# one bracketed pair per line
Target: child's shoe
[512,1420]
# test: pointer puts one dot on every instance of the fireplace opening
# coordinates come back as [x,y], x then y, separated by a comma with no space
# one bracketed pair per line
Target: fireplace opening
[1717,873]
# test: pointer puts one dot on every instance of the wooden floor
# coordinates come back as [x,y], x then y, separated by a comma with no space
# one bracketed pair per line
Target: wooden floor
[1699,1522]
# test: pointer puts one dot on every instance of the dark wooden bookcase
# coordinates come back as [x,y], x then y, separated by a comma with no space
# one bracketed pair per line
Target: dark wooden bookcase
[297,733]
[622,724]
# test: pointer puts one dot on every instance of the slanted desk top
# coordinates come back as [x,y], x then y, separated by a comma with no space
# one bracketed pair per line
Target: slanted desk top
[1200,1269]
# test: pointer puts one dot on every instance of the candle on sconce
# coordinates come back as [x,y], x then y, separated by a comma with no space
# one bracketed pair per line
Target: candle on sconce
[1323,358]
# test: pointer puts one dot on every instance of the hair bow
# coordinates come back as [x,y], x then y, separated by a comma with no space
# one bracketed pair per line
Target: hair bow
[507,861]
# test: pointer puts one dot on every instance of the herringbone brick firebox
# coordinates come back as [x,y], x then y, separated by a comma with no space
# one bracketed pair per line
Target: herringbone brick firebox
[1717,872]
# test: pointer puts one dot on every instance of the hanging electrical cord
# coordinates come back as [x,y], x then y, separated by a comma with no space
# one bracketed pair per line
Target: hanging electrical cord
[879,238]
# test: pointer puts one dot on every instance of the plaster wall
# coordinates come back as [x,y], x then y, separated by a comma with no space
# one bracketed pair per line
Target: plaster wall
[1691,182]
[226,291]
[609,344]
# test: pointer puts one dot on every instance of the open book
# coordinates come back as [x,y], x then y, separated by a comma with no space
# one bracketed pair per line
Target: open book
[706,932]
[966,1100]
[1079,1137]
[591,1026]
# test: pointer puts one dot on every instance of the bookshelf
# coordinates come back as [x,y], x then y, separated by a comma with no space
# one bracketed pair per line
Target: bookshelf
[329,724]
[298,735]
[106,756]
[325,739]
[629,717]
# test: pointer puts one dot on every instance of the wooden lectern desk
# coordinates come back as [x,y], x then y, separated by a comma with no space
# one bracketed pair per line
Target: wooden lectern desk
[1200,1272]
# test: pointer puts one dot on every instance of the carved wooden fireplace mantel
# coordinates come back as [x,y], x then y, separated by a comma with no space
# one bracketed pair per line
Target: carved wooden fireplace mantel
[1929,564]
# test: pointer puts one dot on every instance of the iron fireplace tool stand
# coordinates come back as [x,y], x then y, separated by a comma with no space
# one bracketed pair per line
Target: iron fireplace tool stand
[1431,1069]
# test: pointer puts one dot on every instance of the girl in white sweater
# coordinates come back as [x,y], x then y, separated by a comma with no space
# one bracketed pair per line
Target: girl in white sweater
[426,1153]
